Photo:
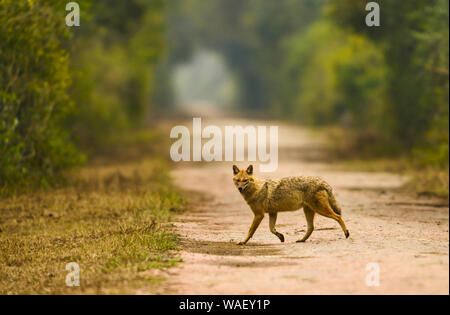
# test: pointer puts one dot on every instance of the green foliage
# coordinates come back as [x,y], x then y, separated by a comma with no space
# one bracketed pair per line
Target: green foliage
[113,78]
[414,39]
[317,62]
[248,34]
[34,78]
[433,41]
[313,61]
[337,77]
[61,86]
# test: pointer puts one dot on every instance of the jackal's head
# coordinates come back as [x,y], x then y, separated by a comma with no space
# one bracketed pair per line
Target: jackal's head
[243,179]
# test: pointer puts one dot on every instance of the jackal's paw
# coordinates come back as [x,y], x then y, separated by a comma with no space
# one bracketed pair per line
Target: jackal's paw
[242,243]
[281,237]
[347,234]
[300,241]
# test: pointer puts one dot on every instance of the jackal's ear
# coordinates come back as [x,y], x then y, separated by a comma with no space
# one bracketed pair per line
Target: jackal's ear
[235,169]
[250,170]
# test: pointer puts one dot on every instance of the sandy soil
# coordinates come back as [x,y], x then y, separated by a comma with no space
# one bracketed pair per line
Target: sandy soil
[406,236]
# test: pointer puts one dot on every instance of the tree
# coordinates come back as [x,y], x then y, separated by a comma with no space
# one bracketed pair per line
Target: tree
[34,78]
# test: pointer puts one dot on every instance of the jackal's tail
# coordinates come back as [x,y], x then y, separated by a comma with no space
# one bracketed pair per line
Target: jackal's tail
[334,205]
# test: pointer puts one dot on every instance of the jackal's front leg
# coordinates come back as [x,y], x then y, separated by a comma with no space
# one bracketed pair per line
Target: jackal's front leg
[256,221]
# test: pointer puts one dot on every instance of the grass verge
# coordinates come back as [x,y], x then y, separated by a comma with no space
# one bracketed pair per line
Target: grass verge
[426,179]
[430,182]
[113,220]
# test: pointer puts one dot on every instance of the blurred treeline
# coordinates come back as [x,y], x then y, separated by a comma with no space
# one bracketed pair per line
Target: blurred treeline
[317,62]
[66,91]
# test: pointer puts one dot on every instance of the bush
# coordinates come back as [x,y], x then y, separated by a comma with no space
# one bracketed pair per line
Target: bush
[338,78]
[34,78]
[113,78]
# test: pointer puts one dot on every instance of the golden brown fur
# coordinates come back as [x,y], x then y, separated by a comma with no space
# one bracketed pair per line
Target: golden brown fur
[311,193]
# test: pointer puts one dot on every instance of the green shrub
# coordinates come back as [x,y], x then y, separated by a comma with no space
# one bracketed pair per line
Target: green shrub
[338,77]
[34,78]
[113,58]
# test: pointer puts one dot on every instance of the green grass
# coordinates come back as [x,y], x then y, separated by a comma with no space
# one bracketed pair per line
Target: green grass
[113,220]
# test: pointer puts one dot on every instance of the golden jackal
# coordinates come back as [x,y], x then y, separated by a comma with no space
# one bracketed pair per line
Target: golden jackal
[286,194]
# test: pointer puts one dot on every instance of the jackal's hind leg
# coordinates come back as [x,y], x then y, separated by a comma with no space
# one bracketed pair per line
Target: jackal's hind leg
[272,221]
[309,215]
[324,208]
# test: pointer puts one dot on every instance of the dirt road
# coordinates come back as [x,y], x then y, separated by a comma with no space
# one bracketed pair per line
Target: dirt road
[406,236]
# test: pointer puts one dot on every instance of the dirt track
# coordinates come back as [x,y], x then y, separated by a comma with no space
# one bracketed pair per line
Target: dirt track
[407,237]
